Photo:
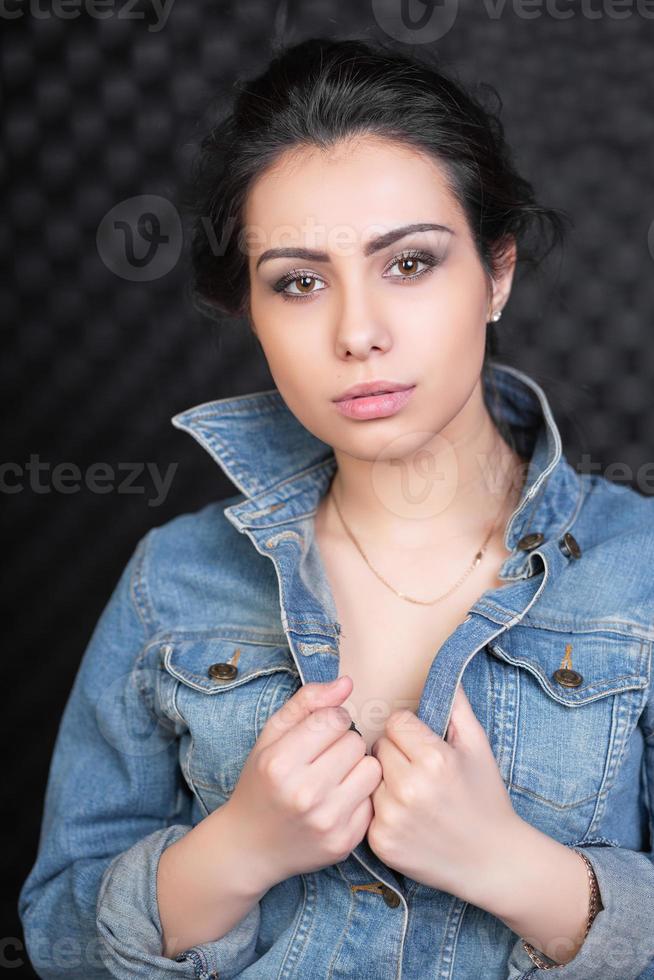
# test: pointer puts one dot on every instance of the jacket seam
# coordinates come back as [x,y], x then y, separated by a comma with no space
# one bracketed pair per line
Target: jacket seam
[141,600]
[341,940]
[139,589]
[199,961]
[294,947]
[565,625]
[288,479]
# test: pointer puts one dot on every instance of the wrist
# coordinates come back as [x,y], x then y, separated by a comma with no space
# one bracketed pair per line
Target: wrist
[203,886]
[594,906]
[237,847]
[523,860]
[496,882]
[543,893]
[212,855]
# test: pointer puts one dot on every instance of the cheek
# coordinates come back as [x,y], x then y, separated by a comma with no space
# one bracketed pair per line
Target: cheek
[294,352]
[452,339]
[448,321]
[460,300]
[276,341]
[301,378]
[299,372]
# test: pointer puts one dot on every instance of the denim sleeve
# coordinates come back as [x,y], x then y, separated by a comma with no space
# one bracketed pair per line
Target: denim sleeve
[128,921]
[620,943]
[115,798]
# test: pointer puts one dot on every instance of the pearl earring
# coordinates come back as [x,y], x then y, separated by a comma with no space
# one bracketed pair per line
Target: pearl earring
[496,315]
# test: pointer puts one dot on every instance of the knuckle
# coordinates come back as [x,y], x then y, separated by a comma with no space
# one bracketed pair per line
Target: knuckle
[303,800]
[355,741]
[432,762]
[261,759]
[377,837]
[277,722]
[341,715]
[272,766]
[375,766]
[406,794]
[337,846]
[322,823]
[326,718]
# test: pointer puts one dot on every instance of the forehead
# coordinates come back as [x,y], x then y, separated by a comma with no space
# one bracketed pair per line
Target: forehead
[364,186]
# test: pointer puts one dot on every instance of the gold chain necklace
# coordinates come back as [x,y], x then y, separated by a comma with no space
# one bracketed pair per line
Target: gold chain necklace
[402,595]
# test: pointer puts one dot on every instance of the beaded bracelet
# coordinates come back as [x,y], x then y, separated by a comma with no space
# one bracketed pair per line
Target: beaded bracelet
[593,908]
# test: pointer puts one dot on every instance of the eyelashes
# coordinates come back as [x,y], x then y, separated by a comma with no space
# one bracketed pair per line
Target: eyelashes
[430,260]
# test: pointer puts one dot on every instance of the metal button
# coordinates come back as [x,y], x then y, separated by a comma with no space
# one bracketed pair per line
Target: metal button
[567,678]
[569,546]
[530,541]
[222,672]
[390,897]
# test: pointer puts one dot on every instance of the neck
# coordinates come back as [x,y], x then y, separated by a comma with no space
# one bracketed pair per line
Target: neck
[447,492]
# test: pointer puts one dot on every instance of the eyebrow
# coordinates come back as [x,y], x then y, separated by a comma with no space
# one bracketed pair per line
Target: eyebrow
[374,245]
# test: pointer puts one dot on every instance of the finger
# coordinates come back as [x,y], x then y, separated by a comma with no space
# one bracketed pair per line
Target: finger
[361,780]
[336,761]
[308,698]
[395,764]
[303,743]
[412,736]
[463,721]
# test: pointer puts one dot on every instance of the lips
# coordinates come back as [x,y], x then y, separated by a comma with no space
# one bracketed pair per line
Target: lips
[370,406]
[368,388]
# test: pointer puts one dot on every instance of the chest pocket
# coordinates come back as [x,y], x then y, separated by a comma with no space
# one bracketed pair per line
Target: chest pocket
[224,690]
[574,699]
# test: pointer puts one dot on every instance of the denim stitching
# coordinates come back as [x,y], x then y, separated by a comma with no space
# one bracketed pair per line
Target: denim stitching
[138,585]
[200,965]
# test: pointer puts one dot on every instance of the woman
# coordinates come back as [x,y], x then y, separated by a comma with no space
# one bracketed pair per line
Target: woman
[437,569]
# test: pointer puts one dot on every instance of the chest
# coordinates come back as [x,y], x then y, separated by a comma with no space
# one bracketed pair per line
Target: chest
[387,644]
[560,749]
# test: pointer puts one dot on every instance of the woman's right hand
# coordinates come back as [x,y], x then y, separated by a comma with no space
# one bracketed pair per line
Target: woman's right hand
[302,801]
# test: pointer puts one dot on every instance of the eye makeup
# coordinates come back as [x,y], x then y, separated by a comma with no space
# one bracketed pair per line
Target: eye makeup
[421,255]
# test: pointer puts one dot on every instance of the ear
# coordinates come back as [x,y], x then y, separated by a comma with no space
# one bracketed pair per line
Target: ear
[505,255]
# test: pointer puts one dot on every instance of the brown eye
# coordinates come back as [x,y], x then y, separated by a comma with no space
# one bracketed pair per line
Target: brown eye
[304,285]
[305,282]
[409,265]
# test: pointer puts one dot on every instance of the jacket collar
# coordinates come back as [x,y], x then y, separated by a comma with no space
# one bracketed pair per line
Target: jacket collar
[283,470]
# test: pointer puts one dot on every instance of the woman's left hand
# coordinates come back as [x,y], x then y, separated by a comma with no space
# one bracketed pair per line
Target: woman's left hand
[442,814]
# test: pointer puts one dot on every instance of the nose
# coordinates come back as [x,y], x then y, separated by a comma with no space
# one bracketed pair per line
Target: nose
[360,327]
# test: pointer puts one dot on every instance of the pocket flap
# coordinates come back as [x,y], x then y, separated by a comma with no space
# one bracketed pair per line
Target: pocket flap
[189,660]
[606,662]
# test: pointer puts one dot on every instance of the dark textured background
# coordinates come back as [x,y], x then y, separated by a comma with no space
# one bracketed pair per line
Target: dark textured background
[100,110]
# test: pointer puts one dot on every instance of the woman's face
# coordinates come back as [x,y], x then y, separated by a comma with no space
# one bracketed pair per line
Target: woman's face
[413,310]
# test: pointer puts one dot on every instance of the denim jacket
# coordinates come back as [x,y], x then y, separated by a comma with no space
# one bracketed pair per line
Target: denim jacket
[556,664]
